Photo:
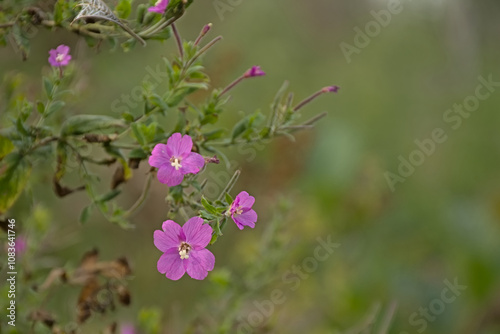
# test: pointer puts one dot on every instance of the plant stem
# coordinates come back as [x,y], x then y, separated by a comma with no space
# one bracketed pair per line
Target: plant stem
[178,40]
[230,184]
[142,198]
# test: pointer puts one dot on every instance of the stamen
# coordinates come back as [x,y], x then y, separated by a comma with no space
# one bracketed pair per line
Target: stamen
[184,250]
[175,163]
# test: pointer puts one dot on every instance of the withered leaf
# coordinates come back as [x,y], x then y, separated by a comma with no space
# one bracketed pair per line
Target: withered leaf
[42,316]
[86,298]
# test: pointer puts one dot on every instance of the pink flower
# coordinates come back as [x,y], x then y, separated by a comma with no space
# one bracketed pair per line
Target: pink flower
[254,71]
[20,245]
[127,328]
[184,249]
[331,89]
[60,56]
[175,159]
[159,7]
[241,210]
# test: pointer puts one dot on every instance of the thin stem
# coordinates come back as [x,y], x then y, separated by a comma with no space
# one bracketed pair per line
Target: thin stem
[203,50]
[43,143]
[126,146]
[386,322]
[178,40]
[231,85]
[306,101]
[158,27]
[142,198]
[229,185]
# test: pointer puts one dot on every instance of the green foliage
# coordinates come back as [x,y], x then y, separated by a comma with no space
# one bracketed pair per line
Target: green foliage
[15,174]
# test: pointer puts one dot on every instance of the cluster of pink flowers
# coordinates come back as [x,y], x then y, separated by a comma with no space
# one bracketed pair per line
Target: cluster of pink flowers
[184,248]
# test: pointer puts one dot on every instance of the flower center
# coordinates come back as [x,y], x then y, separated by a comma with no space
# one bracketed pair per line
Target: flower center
[238,210]
[59,57]
[184,250]
[175,163]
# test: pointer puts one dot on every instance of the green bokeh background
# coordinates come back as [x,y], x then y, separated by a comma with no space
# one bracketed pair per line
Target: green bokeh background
[441,224]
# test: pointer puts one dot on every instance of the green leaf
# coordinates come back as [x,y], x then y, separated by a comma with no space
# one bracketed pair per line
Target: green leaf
[279,96]
[6,146]
[214,238]
[85,215]
[149,131]
[157,101]
[216,134]
[207,216]
[128,45]
[40,107]
[47,86]
[137,133]
[81,124]
[239,128]
[108,196]
[13,180]
[181,123]
[137,153]
[229,199]
[20,40]
[54,107]
[58,11]
[141,12]
[209,207]
[128,117]
[124,8]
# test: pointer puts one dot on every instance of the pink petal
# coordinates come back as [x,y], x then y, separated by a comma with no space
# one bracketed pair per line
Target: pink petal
[169,237]
[200,262]
[65,60]
[171,265]
[193,163]
[245,219]
[179,146]
[173,144]
[63,49]
[159,156]
[170,176]
[160,8]
[185,146]
[198,234]
[245,200]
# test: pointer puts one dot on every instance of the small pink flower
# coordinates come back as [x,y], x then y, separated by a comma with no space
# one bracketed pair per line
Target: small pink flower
[159,7]
[175,159]
[331,89]
[127,329]
[20,245]
[254,71]
[60,56]
[184,249]
[241,210]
